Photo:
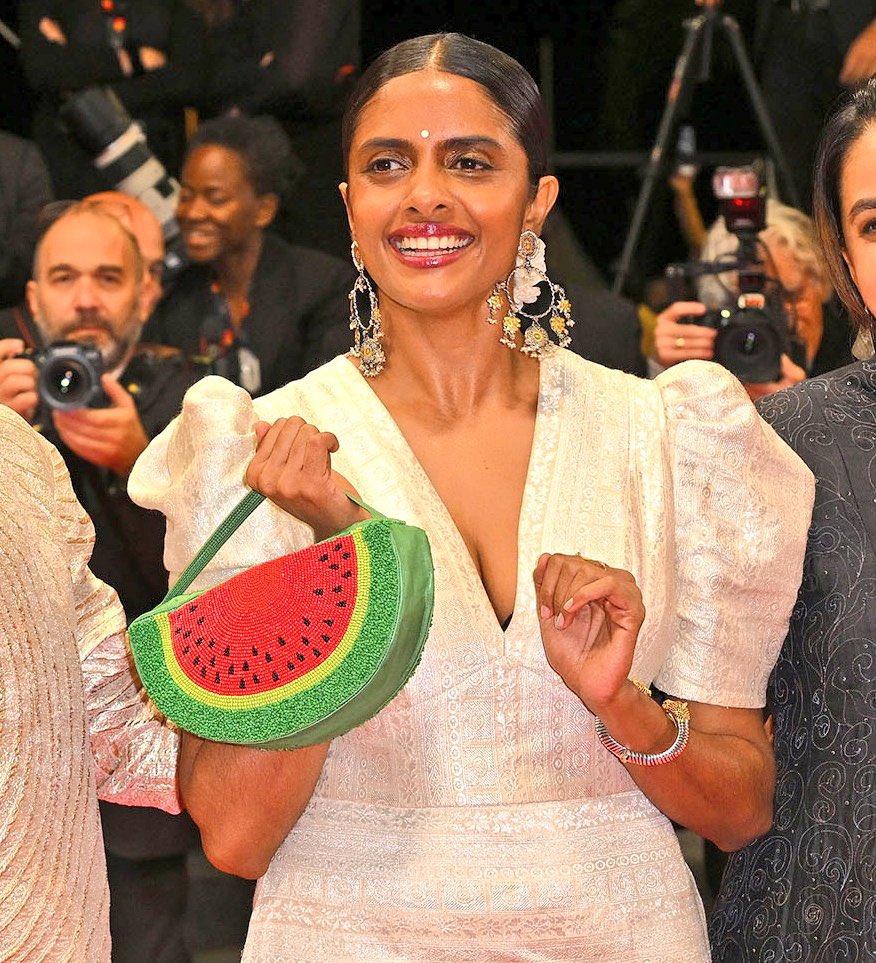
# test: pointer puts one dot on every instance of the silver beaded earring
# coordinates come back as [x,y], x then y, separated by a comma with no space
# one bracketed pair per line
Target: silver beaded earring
[367,335]
[529,284]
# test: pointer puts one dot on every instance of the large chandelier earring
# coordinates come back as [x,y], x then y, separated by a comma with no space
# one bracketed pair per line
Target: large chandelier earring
[529,284]
[367,334]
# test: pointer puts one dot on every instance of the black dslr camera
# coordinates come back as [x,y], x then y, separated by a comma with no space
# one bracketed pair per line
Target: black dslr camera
[753,328]
[69,375]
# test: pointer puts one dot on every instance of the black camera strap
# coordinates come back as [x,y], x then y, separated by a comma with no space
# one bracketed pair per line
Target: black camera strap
[26,328]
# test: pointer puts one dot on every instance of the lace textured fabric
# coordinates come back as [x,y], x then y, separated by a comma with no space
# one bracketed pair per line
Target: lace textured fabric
[477,817]
[71,717]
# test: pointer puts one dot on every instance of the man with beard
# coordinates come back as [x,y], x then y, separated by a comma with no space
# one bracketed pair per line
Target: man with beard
[91,284]
[88,287]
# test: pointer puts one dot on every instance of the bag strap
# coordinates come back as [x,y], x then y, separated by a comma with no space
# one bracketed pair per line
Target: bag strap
[235,518]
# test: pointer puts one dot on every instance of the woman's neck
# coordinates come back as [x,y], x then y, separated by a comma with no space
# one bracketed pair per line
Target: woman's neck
[235,270]
[451,365]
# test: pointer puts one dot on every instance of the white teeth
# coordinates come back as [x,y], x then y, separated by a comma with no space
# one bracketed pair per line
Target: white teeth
[447,242]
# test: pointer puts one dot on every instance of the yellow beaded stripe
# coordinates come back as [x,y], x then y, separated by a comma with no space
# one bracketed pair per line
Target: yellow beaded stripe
[255,700]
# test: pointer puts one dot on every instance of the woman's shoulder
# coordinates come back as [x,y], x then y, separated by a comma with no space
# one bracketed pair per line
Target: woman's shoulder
[854,385]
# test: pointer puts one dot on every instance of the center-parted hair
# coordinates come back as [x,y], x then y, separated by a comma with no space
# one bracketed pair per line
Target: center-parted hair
[506,83]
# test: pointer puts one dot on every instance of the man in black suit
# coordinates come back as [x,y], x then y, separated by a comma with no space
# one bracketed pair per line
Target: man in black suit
[91,284]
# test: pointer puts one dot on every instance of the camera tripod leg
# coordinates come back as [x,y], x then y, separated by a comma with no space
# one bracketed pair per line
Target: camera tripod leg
[764,121]
[697,41]
[677,96]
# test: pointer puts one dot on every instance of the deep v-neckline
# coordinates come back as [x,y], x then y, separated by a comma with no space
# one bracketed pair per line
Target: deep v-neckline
[532,502]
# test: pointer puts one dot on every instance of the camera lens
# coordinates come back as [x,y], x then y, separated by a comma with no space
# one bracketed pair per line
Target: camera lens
[750,347]
[65,383]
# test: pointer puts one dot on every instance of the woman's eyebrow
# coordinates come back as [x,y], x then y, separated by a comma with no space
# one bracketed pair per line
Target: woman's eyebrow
[863,204]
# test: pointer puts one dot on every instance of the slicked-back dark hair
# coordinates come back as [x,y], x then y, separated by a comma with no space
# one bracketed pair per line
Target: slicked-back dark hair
[506,83]
[260,142]
[854,114]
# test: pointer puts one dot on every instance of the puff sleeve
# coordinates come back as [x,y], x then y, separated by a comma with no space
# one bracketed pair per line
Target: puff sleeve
[742,503]
[193,472]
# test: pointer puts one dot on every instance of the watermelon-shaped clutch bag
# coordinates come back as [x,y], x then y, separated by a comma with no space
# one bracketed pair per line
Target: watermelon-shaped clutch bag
[294,651]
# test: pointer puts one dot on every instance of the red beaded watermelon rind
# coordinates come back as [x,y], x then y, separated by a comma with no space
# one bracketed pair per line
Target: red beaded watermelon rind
[266,718]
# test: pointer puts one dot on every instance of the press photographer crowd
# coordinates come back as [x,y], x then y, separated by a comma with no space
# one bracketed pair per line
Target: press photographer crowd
[610,619]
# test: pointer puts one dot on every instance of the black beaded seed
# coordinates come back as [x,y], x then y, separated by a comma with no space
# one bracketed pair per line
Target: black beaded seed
[201,620]
[317,591]
[196,660]
[329,621]
[345,555]
[290,667]
[203,672]
[317,653]
[342,604]
[199,640]
[185,650]
[306,620]
[177,630]
[213,662]
[242,684]
[186,634]
[218,679]
[268,657]
[231,669]
[305,640]
[337,588]
[211,643]
[326,639]
[255,679]
[276,677]
[227,651]
[334,566]
[323,558]
[339,546]
[280,640]
[245,666]
[346,574]
[299,656]
[193,608]
[255,651]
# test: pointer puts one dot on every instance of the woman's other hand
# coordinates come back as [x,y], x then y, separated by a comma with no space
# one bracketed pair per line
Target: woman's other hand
[590,616]
[675,341]
[292,467]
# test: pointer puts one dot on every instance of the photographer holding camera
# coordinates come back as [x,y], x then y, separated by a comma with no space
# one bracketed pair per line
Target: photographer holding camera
[795,282]
[87,384]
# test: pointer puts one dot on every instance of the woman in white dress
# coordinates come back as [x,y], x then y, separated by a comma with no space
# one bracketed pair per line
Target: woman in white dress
[514,802]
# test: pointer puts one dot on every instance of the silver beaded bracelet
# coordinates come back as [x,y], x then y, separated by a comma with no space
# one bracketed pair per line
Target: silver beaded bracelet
[677,711]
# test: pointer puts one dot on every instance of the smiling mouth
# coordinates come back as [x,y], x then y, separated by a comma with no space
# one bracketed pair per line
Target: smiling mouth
[430,246]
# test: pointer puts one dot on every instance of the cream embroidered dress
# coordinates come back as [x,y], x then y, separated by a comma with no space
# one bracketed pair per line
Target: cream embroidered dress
[477,817]
[73,725]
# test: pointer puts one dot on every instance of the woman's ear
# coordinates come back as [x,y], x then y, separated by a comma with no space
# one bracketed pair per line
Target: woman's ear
[850,266]
[266,209]
[540,206]
[344,189]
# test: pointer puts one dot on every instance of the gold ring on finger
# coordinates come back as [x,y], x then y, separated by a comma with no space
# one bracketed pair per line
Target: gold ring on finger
[593,561]
[679,342]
